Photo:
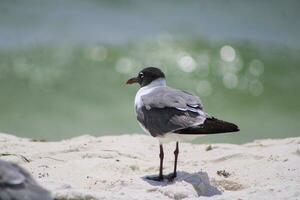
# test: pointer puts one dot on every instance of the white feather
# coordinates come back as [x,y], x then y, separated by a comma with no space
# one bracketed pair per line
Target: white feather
[160,82]
[174,137]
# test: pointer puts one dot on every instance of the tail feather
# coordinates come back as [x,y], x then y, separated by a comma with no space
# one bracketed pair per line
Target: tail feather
[211,126]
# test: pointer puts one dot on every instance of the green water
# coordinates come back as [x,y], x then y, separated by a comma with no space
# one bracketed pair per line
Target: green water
[63,64]
[59,91]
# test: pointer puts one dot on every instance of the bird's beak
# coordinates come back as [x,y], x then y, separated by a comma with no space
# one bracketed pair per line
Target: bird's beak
[132,80]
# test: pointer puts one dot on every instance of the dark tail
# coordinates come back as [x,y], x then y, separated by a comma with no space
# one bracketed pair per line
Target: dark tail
[210,126]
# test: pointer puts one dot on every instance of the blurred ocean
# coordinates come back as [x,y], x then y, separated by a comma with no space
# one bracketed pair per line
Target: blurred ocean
[63,64]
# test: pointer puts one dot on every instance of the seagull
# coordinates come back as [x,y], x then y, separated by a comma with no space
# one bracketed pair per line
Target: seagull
[171,115]
[17,184]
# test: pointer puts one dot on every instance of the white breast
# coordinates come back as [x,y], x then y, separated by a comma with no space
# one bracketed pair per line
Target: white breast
[138,97]
[161,82]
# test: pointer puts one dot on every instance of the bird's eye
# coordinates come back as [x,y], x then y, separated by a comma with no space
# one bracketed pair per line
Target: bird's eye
[141,75]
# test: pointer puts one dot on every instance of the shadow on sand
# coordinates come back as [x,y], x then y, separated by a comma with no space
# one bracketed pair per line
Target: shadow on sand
[199,181]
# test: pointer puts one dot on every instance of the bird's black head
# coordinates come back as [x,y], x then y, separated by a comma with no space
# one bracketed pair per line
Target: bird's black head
[146,76]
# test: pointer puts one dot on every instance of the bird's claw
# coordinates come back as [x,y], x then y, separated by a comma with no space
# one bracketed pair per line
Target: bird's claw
[155,178]
[169,177]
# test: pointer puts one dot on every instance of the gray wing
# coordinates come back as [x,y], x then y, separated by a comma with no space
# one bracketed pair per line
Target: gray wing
[17,184]
[168,110]
[162,97]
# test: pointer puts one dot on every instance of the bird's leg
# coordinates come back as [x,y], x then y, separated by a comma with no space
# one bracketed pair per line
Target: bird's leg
[173,175]
[161,156]
[176,152]
[160,176]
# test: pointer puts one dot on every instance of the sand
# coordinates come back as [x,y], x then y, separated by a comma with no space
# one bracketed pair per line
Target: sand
[114,167]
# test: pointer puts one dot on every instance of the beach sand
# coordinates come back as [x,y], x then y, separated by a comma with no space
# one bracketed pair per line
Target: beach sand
[114,167]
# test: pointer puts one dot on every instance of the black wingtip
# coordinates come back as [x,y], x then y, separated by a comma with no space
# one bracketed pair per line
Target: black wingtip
[211,126]
[227,126]
[235,128]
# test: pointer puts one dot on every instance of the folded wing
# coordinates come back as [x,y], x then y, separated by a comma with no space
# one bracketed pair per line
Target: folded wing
[168,110]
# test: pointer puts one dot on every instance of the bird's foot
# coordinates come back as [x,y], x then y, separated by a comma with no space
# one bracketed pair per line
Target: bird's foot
[169,177]
[159,178]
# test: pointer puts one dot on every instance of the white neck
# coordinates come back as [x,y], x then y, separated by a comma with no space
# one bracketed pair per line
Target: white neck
[160,82]
[156,83]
